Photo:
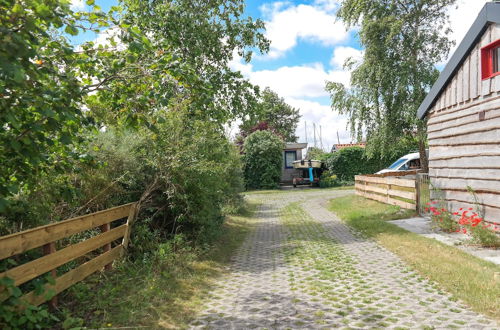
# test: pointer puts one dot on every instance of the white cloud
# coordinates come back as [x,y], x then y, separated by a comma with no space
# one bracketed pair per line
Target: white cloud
[306,81]
[286,24]
[342,53]
[298,85]
[77,5]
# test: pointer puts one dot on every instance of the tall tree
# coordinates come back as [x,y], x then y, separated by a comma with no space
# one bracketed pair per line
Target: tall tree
[276,113]
[403,42]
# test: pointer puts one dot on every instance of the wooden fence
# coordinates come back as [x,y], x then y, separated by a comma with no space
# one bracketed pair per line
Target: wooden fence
[99,250]
[389,190]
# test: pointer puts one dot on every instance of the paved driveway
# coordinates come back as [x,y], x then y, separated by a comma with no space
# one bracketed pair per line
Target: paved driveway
[303,269]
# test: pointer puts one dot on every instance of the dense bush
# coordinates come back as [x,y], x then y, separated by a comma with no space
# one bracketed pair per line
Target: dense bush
[348,162]
[263,160]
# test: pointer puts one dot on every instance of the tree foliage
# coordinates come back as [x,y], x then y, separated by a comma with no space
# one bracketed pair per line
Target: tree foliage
[403,42]
[274,112]
[351,161]
[263,160]
[159,56]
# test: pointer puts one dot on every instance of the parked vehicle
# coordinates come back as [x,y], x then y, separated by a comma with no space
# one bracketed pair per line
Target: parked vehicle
[406,163]
[310,172]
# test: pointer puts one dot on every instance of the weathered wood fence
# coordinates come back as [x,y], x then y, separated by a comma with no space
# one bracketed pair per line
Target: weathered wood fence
[389,190]
[107,240]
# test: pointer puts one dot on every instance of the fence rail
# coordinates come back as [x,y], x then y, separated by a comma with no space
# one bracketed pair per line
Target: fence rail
[47,236]
[389,190]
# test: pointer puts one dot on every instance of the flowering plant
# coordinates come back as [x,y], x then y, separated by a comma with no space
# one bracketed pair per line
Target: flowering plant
[482,233]
[465,221]
[441,217]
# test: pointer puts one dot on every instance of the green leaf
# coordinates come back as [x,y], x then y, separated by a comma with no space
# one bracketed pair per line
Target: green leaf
[71,30]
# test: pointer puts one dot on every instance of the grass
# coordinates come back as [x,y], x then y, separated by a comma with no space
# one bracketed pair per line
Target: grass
[165,294]
[466,277]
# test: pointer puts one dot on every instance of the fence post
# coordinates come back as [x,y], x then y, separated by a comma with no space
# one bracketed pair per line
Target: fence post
[48,249]
[104,228]
[130,221]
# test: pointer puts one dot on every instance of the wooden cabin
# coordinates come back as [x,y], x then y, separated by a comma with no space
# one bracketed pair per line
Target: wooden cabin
[463,112]
[291,153]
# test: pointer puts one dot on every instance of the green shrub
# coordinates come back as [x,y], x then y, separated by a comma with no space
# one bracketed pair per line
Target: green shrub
[263,160]
[328,179]
[348,162]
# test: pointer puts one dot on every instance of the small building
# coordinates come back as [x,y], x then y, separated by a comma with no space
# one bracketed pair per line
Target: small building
[337,147]
[463,113]
[291,153]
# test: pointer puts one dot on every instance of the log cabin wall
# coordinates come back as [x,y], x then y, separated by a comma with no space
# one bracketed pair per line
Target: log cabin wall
[464,135]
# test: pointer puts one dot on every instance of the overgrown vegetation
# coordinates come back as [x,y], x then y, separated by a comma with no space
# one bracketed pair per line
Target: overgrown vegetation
[468,278]
[138,116]
[263,160]
[164,291]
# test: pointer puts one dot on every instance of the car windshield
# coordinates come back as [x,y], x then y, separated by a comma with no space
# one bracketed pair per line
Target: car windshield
[397,163]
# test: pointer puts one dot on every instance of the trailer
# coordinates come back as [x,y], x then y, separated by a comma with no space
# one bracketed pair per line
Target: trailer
[310,171]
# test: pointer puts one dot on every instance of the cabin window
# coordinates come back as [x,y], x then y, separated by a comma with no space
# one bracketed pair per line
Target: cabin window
[290,157]
[490,60]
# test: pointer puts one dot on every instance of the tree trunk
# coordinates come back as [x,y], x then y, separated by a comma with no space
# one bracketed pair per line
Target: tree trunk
[422,139]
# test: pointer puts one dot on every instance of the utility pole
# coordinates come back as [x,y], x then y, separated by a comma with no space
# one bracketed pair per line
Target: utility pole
[338,139]
[314,129]
[305,126]
[321,137]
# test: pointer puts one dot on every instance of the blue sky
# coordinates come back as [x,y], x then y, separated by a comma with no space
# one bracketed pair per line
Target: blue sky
[308,48]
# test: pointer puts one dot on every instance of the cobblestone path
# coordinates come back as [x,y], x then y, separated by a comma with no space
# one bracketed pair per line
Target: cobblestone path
[303,269]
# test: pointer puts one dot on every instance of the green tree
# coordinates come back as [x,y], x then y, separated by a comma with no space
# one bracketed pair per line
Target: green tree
[263,160]
[203,36]
[275,112]
[403,42]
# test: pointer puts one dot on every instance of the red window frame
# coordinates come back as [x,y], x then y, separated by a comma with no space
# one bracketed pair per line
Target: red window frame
[487,60]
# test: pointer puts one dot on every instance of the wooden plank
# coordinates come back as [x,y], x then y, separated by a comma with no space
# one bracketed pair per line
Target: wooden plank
[403,194]
[35,268]
[453,99]
[460,85]
[466,80]
[462,184]
[490,103]
[473,127]
[491,214]
[372,179]
[484,137]
[76,275]
[29,239]
[379,198]
[464,151]
[474,73]
[491,200]
[402,204]
[377,190]
[486,162]
[466,122]
[484,174]
[448,95]
[495,86]
[130,221]
[401,182]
